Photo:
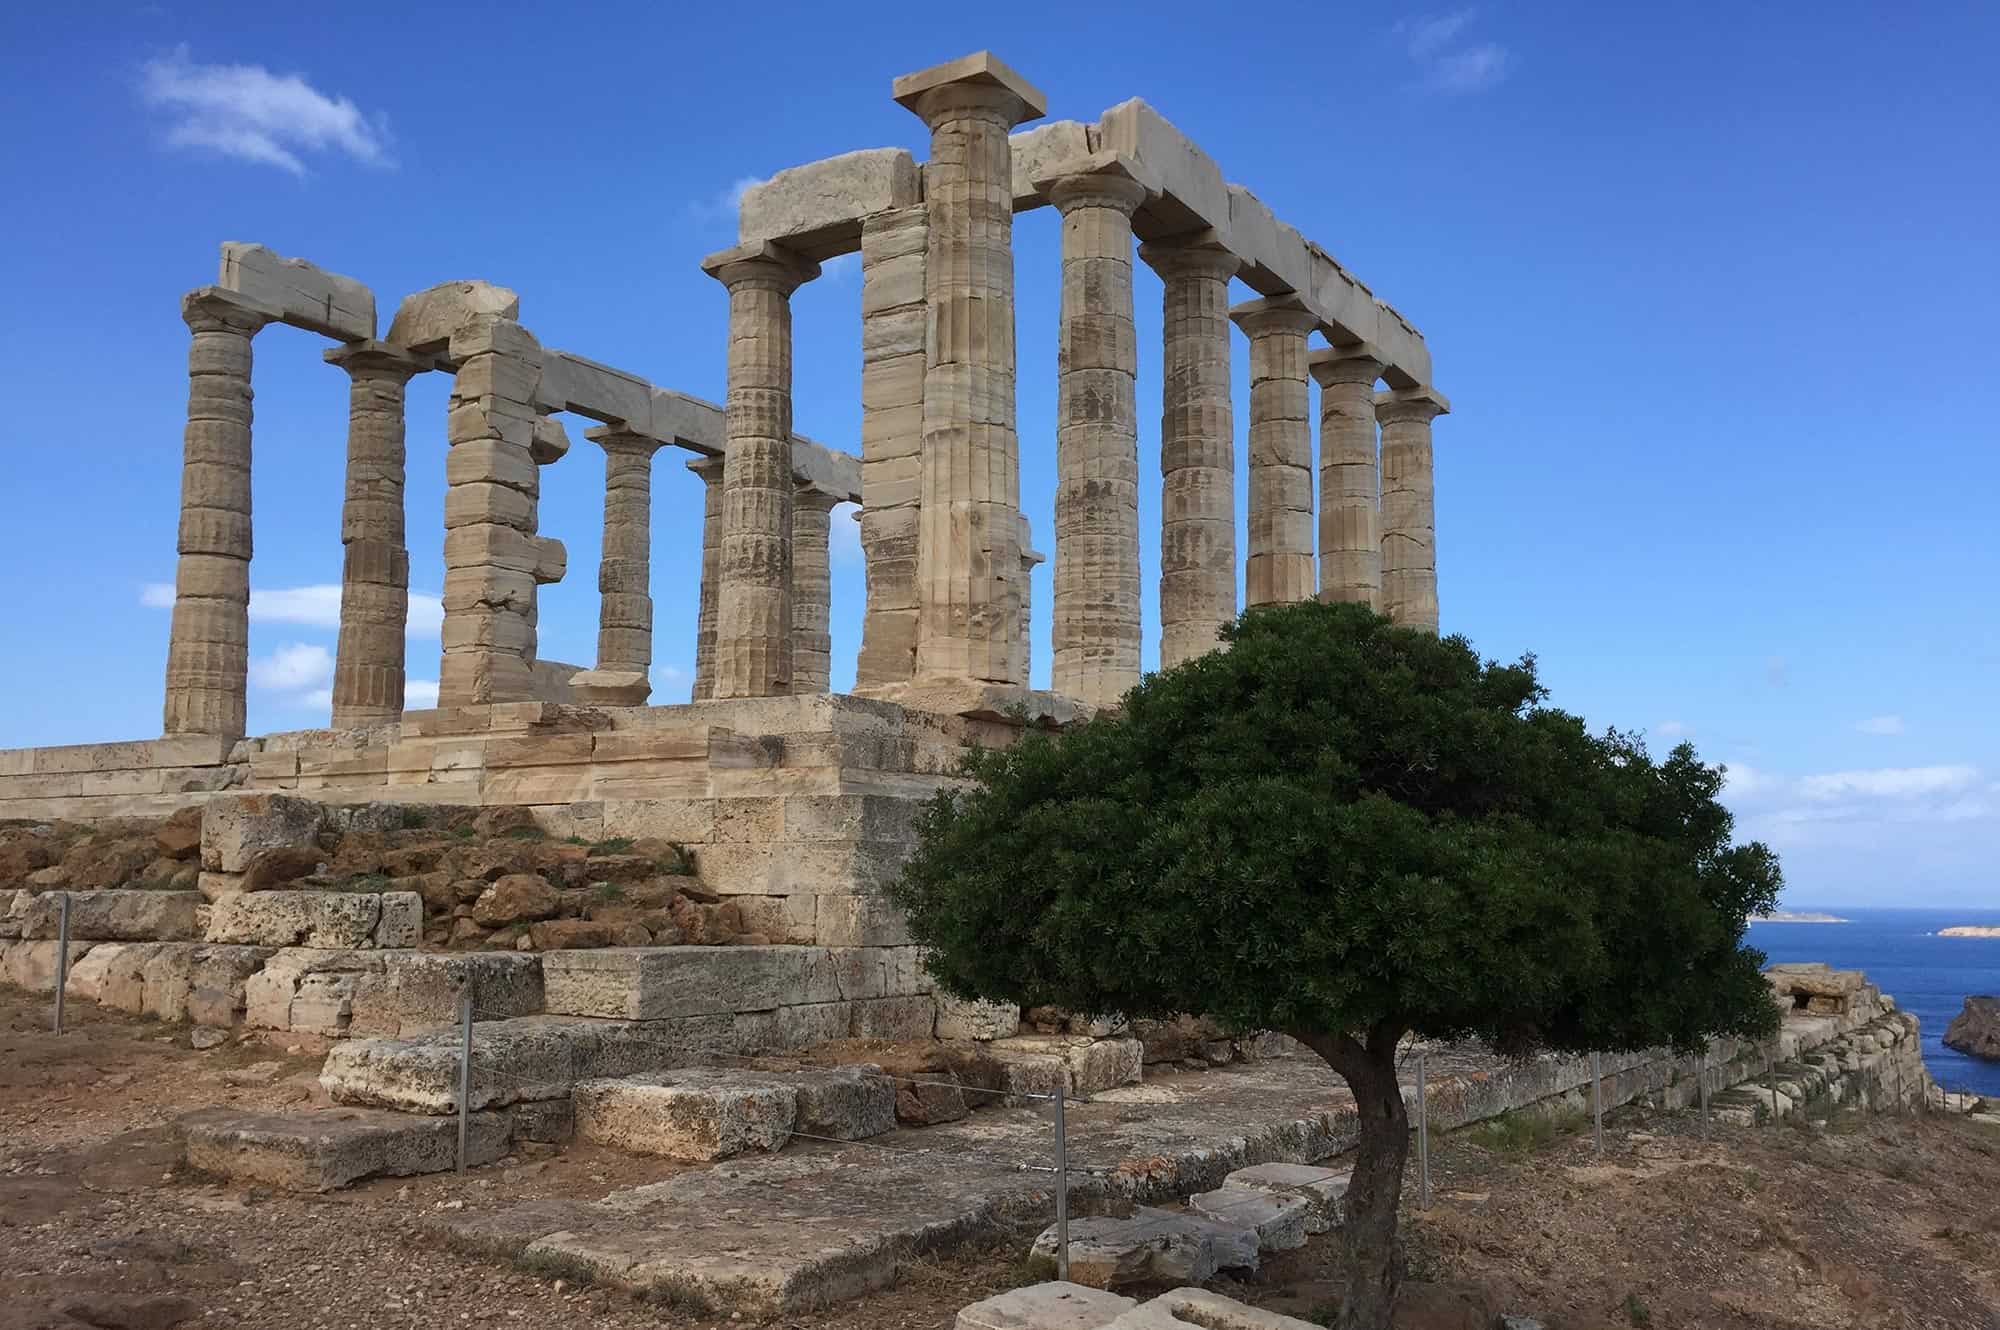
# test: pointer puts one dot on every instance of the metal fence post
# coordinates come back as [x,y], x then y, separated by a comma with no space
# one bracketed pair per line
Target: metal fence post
[464,1070]
[1062,1188]
[1597,1102]
[1701,1088]
[62,956]
[1771,1076]
[1423,1136]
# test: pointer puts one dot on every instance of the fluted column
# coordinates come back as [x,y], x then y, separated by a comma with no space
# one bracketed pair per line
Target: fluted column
[1279,566]
[1029,558]
[1096,607]
[624,572]
[368,668]
[893,332]
[1197,467]
[812,591]
[1409,534]
[753,608]
[208,649]
[969,558]
[1350,542]
[710,471]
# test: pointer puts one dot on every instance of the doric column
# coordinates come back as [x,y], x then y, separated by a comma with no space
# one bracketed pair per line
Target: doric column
[375,562]
[1409,532]
[812,591]
[1279,568]
[1350,543]
[624,572]
[1197,467]
[753,607]
[969,560]
[1096,608]
[208,650]
[1029,558]
[893,321]
[710,471]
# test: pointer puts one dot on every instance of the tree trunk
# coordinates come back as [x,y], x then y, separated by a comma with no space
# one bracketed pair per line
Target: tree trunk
[1368,1235]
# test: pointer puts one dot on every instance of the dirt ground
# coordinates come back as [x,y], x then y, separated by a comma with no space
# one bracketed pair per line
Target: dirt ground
[1861,1223]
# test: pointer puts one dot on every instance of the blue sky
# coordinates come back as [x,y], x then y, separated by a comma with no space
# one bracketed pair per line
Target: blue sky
[1710,287]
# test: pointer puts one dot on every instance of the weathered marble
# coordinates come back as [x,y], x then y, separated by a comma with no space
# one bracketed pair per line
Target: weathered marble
[710,471]
[624,572]
[1279,567]
[1350,543]
[812,591]
[1409,534]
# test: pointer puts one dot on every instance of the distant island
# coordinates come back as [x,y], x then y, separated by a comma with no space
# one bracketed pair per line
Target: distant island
[1969,930]
[1802,917]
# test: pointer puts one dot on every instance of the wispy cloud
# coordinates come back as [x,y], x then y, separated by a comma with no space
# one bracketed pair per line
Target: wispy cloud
[293,667]
[840,267]
[722,205]
[316,605]
[843,540]
[1445,64]
[1672,729]
[249,113]
[1890,724]
[1855,805]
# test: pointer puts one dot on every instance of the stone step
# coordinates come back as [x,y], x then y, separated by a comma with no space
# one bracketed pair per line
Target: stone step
[1080,1064]
[705,1114]
[1149,1246]
[1324,1190]
[1056,1305]
[1192,1308]
[1278,1220]
[320,1150]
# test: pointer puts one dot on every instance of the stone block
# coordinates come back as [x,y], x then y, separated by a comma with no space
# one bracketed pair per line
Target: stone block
[1036,152]
[326,1149]
[1185,1307]
[1093,1064]
[32,965]
[959,1018]
[307,990]
[217,979]
[423,988]
[305,296]
[1278,1219]
[844,1103]
[1193,195]
[115,916]
[895,1018]
[329,919]
[859,921]
[166,981]
[426,320]
[696,1115]
[402,920]
[649,983]
[610,688]
[236,828]
[1055,1305]
[573,383]
[1150,1246]
[1324,1190]
[817,209]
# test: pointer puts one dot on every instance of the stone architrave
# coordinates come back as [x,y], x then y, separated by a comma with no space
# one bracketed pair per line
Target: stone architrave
[969,561]
[753,608]
[812,591]
[1409,522]
[710,471]
[893,319]
[492,556]
[1095,632]
[624,573]
[1197,446]
[368,667]
[1350,542]
[208,651]
[1278,568]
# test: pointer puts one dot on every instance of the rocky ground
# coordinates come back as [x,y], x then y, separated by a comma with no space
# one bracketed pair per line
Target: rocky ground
[1863,1222]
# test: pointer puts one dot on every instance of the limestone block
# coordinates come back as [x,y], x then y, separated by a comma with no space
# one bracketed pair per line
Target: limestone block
[1055,1305]
[87,978]
[1038,151]
[1193,194]
[217,977]
[573,383]
[426,320]
[1093,1064]
[13,910]
[402,920]
[1344,303]
[550,1121]
[122,986]
[323,1150]
[115,916]
[695,1115]
[307,989]
[980,69]
[421,990]
[844,1103]
[32,965]
[1324,1190]
[305,296]
[331,919]
[859,921]
[235,828]
[959,1018]
[610,688]
[1279,1220]
[1198,1307]
[895,1018]
[817,209]
[166,980]
[1150,1246]
[650,983]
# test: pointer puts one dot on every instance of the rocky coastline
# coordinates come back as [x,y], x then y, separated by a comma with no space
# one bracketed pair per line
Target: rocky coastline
[1975,1031]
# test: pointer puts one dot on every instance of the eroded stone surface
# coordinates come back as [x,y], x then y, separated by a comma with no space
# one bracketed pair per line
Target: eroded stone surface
[1150,1246]
[1324,1190]
[325,1149]
[694,1115]
[1279,1220]
[1056,1305]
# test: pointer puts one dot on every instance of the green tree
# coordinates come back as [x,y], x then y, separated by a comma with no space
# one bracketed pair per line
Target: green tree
[1352,833]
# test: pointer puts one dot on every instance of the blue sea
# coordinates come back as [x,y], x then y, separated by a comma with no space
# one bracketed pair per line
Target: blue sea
[1929,976]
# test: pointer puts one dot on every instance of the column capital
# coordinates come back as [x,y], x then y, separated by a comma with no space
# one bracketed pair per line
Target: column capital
[760,264]
[377,359]
[1197,254]
[806,496]
[1274,314]
[1103,179]
[1404,404]
[212,309]
[977,82]
[708,467]
[624,439]
[1344,364]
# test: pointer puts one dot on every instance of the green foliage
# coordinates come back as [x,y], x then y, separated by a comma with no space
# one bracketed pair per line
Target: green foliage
[464,831]
[414,816]
[1636,1310]
[1518,1135]
[1339,825]
[678,861]
[608,892]
[613,845]
[525,832]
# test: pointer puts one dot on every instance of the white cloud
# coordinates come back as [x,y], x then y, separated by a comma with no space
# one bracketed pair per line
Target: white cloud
[254,115]
[1891,724]
[1888,783]
[318,698]
[419,694]
[1445,66]
[724,204]
[840,267]
[314,606]
[1671,729]
[293,667]
[843,539]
